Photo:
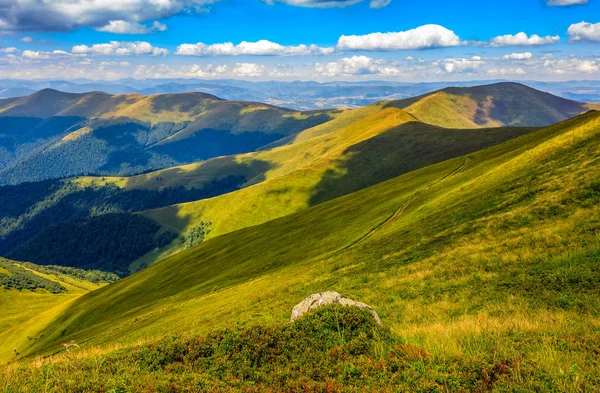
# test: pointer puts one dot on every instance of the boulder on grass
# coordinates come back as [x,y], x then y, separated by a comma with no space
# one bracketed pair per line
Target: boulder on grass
[325,298]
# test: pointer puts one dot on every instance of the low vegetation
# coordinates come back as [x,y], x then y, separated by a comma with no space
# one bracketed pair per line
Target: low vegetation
[334,349]
[16,276]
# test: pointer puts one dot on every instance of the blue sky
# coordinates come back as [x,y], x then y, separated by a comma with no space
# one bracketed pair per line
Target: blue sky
[420,40]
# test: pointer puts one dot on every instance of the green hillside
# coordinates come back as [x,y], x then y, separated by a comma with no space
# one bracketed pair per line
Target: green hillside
[489,258]
[51,134]
[496,105]
[376,147]
[28,290]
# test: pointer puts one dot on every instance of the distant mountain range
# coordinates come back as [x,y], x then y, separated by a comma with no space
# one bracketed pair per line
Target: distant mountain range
[297,95]
[52,134]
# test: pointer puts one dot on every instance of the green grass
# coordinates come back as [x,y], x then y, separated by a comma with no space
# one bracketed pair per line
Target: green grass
[19,306]
[334,349]
[491,256]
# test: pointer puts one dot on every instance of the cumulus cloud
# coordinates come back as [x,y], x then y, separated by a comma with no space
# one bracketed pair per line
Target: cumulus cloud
[11,49]
[259,48]
[427,36]
[518,56]
[588,66]
[115,48]
[330,3]
[125,27]
[454,66]
[562,3]
[40,55]
[26,39]
[357,65]
[522,39]
[66,15]
[584,31]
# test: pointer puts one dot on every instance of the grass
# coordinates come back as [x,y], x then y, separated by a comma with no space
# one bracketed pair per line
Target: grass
[334,349]
[19,306]
[491,260]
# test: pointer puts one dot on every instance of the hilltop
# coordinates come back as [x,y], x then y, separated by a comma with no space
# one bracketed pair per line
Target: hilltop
[495,105]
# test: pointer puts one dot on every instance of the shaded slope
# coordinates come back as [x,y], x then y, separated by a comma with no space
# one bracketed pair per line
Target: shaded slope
[500,104]
[479,250]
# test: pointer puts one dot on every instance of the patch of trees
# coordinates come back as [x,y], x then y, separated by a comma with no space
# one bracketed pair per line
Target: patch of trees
[110,242]
[29,208]
[22,279]
[93,276]
[196,235]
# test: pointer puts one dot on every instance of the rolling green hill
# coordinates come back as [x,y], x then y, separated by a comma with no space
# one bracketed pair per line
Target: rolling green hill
[485,258]
[496,105]
[51,134]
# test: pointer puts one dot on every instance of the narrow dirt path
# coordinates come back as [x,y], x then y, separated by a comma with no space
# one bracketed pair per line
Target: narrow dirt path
[402,208]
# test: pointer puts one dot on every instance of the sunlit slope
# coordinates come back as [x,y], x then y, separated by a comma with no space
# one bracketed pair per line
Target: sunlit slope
[20,305]
[494,252]
[501,104]
[376,148]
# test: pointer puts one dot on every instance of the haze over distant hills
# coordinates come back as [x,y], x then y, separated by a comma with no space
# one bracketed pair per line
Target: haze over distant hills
[296,95]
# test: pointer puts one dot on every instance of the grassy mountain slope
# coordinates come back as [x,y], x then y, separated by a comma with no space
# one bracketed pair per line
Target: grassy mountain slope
[27,290]
[53,134]
[496,105]
[375,148]
[487,256]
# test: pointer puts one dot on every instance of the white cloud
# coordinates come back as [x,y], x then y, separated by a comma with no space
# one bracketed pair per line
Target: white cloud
[11,49]
[115,48]
[584,31]
[35,55]
[259,48]
[39,55]
[454,66]
[588,66]
[125,27]
[427,36]
[357,65]
[283,70]
[518,56]
[66,15]
[330,3]
[238,70]
[562,3]
[521,39]
[506,71]
[26,39]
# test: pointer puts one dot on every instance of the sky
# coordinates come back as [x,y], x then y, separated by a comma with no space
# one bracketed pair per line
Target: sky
[321,40]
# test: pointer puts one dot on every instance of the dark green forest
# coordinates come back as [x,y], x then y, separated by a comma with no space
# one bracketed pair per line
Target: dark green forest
[109,242]
[29,208]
